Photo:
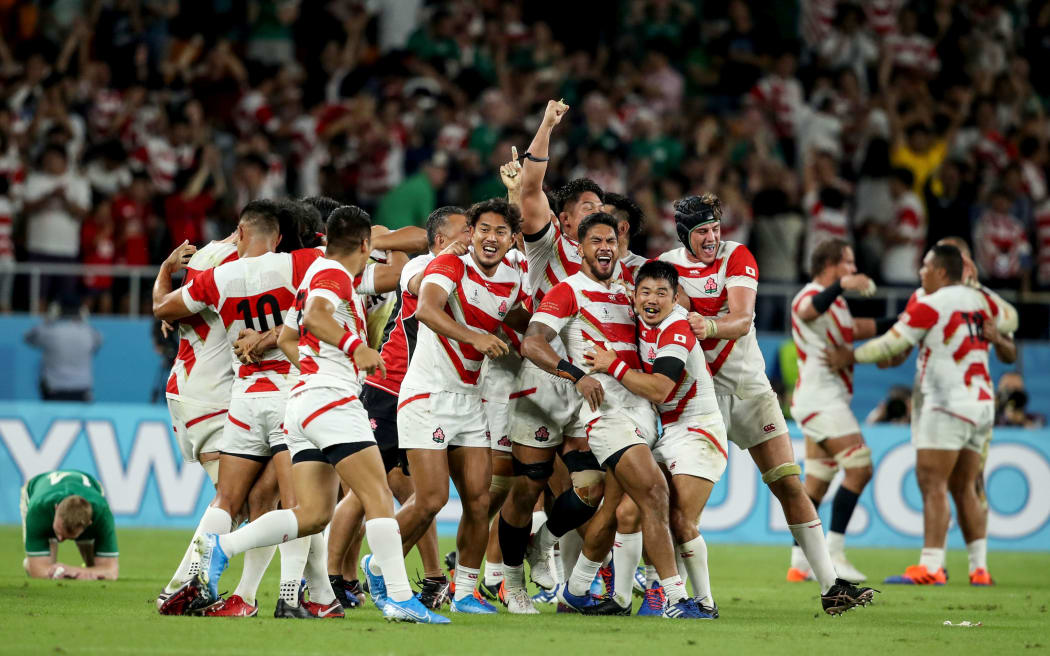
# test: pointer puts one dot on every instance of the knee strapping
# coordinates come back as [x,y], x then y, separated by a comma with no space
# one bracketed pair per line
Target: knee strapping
[823,469]
[854,458]
[501,483]
[780,471]
[537,471]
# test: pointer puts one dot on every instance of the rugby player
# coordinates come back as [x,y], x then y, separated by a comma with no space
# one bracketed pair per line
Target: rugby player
[68,505]
[820,319]
[720,281]
[692,448]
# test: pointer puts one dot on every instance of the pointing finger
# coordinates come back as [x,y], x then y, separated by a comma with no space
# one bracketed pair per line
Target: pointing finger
[514,153]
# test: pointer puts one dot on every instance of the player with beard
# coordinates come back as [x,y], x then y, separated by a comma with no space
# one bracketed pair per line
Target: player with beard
[586,309]
[543,402]
[441,422]
[692,446]
[720,281]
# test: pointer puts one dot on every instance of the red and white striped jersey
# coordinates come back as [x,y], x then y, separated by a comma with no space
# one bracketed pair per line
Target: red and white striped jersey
[736,364]
[552,257]
[824,223]
[256,293]
[253,112]
[1042,243]
[816,381]
[694,393]
[401,335]
[498,375]
[629,265]
[201,371]
[900,262]
[953,354]
[475,300]
[782,97]
[1001,244]
[585,313]
[913,52]
[321,364]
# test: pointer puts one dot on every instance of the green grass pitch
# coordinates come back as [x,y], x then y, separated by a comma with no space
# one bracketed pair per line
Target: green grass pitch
[761,614]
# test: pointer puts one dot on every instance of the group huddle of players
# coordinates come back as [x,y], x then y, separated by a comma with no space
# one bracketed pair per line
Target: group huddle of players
[519,335]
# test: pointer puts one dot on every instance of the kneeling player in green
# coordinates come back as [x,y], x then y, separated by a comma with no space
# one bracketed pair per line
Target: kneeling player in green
[67,505]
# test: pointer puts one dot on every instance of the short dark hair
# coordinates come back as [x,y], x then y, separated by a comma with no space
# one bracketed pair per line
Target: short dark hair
[311,229]
[632,213]
[958,242]
[292,220]
[592,220]
[437,220]
[658,270]
[497,206]
[572,191]
[348,227]
[323,204]
[950,259]
[827,253]
[261,215]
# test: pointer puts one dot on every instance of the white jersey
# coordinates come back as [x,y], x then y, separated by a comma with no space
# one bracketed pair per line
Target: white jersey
[736,364]
[498,375]
[201,371]
[476,301]
[255,293]
[953,354]
[321,364]
[584,313]
[552,257]
[629,265]
[833,328]
[693,394]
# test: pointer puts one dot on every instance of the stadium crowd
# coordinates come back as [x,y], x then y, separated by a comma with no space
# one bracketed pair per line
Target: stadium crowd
[129,126]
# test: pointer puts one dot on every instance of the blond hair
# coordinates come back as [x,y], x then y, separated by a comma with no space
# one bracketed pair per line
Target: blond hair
[75,513]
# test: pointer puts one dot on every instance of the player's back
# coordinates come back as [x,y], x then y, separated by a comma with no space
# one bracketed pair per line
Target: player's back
[399,339]
[953,354]
[201,371]
[831,328]
[736,364]
[694,393]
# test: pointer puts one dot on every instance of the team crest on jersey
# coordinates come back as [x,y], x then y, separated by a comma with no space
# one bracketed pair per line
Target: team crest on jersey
[542,435]
[502,309]
[439,436]
[372,421]
[652,354]
[710,287]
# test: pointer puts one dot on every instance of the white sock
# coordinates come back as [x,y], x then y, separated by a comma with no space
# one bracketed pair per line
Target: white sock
[182,572]
[693,555]
[571,546]
[316,571]
[810,537]
[493,573]
[836,544]
[626,556]
[539,518]
[466,581]
[542,538]
[214,520]
[384,539]
[978,553]
[293,562]
[679,565]
[798,558]
[255,563]
[559,569]
[674,589]
[514,577]
[274,527]
[651,576]
[583,575]
[932,558]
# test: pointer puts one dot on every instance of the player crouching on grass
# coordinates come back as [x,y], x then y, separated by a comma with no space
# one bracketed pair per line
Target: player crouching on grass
[692,448]
[328,434]
[67,505]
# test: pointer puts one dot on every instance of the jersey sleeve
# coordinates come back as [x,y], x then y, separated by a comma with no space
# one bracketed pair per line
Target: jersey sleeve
[365,283]
[201,292]
[105,531]
[557,307]
[445,271]
[301,261]
[675,341]
[332,285]
[917,320]
[742,269]
[36,528]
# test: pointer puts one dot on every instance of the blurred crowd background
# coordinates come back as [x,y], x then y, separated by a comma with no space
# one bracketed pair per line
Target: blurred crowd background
[128,126]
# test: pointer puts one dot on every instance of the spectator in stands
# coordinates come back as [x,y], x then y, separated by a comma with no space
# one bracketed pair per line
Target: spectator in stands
[905,236]
[1002,250]
[410,202]
[894,409]
[1011,402]
[69,344]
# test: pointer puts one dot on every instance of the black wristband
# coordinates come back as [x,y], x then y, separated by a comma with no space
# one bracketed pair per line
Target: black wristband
[532,158]
[884,324]
[570,370]
[823,300]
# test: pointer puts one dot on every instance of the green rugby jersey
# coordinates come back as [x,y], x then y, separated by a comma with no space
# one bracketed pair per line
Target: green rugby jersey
[44,492]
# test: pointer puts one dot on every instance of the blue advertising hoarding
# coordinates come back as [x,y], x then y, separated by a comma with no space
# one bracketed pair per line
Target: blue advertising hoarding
[132,451]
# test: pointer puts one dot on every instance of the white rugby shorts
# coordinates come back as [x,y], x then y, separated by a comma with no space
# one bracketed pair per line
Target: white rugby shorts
[752,421]
[938,428]
[254,426]
[438,420]
[198,427]
[542,407]
[694,446]
[615,430]
[497,416]
[829,420]
[321,417]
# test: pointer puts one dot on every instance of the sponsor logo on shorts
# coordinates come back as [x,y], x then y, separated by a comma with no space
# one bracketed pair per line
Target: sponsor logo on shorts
[769,428]
[542,435]
[638,432]
[488,435]
[674,463]
[504,441]
[710,287]
[372,422]
[439,436]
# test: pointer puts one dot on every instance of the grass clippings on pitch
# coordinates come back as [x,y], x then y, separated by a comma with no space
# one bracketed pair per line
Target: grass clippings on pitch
[761,614]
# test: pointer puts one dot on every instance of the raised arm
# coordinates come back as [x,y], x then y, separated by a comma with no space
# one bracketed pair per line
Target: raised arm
[535,210]
[168,304]
[811,307]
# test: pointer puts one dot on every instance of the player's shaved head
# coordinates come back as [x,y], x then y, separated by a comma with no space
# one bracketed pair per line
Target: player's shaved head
[348,227]
[260,217]
[75,514]
[625,209]
[950,259]
[957,242]
[658,270]
[437,221]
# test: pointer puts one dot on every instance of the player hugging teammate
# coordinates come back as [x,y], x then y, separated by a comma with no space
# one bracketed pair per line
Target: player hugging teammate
[594,391]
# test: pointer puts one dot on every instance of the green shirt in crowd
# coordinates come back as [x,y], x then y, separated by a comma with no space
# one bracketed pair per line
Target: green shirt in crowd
[407,204]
